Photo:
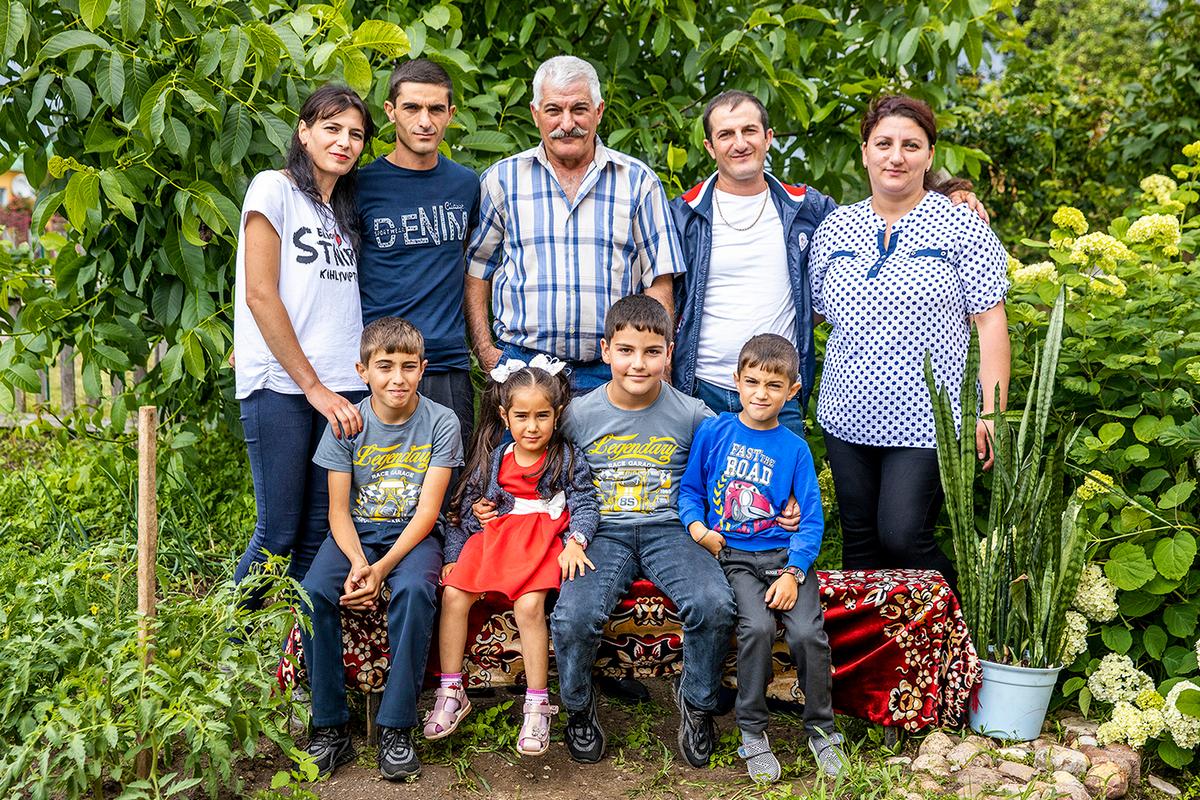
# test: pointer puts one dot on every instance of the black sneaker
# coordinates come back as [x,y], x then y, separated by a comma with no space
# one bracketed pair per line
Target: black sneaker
[397,756]
[330,748]
[585,737]
[697,732]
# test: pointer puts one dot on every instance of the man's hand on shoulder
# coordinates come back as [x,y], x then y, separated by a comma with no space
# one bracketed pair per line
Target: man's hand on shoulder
[973,203]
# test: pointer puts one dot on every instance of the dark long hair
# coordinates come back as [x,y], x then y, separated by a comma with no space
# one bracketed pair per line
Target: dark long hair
[901,105]
[329,101]
[490,429]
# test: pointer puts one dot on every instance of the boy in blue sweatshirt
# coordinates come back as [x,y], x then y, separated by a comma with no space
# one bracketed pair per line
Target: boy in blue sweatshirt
[741,470]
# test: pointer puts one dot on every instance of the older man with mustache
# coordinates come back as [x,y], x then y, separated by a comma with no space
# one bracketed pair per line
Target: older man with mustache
[566,229]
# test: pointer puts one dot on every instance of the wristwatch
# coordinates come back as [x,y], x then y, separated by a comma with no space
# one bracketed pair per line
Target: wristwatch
[795,572]
[578,538]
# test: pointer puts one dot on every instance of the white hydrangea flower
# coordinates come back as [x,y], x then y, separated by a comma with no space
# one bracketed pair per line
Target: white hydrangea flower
[1131,725]
[1096,597]
[1035,274]
[1184,729]
[1074,636]
[1116,679]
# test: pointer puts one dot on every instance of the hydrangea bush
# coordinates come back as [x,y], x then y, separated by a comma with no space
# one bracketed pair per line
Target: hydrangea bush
[1131,363]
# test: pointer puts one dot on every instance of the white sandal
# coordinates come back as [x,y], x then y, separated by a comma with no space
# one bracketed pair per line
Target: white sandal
[534,739]
[442,721]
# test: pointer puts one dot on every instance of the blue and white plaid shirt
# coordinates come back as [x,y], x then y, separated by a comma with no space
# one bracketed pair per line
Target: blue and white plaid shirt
[555,266]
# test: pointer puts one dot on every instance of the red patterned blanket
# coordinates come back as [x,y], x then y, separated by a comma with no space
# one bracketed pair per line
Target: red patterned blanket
[902,656]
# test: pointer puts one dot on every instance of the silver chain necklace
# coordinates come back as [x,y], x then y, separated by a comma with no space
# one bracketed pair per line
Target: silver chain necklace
[761,209]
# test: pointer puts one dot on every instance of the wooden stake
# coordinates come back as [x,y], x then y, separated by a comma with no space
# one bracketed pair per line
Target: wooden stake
[66,370]
[147,543]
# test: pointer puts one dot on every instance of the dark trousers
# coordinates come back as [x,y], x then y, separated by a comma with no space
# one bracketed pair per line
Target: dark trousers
[889,499]
[291,493]
[803,630]
[410,612]
[453,389]
[687,574]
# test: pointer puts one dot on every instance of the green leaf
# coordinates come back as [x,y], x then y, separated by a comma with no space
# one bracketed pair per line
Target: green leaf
[1176,495]
[356,68]
[193,356]
[94,12]
[233,54]
[1179,660]
[1138,604]
[436,17]
[1136,453]
[133,14]
[1127,566]
[83,192]
[1111,433]
[37,101]
[69,42]
[115,195]
[110,79]
[176,136]
[153,108]
[1173,755]
[1174,556]
[1117,638]
[13,20]
[217,210]
[676,158]
[236,131]
[1154,639]
[278,132]
[1181,619]
[689,29]
[1188,702]
[908,47]
[387,38]
[662,36]
[81,95]
[488,142]
[24,377]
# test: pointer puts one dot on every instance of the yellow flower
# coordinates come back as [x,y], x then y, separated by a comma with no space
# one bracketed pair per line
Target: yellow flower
[1156,230]
[1159,189]
[1101,251]
[1035,274]
[1094,483]
[1107,284]
[1192,150]
[95,609]
[1148,699]
[1013,264]
[1070,219]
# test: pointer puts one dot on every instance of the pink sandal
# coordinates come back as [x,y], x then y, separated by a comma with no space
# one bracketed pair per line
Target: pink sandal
[444,719]
[534,739]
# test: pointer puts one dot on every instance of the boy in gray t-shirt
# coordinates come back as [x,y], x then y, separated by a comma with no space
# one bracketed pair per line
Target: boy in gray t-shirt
[635,432]
[386,486]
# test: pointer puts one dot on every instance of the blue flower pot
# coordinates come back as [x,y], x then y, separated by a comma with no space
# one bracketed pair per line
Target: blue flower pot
[1012,701]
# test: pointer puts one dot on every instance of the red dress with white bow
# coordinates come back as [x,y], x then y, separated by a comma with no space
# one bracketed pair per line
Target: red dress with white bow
[518,552]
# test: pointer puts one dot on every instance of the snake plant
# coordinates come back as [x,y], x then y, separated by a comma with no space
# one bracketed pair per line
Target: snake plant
[1019,566]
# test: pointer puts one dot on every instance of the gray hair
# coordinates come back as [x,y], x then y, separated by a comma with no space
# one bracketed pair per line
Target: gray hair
[564,71]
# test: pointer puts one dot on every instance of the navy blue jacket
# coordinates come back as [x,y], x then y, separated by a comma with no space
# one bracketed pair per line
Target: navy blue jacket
[801,209]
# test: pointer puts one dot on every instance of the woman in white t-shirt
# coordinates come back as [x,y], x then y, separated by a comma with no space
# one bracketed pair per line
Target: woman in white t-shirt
[297,323]
[900,274]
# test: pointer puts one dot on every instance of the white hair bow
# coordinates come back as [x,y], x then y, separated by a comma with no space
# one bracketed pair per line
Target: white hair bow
[502,372]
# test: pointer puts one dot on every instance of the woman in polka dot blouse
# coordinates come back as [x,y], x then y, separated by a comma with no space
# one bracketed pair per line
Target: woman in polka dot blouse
[897,275]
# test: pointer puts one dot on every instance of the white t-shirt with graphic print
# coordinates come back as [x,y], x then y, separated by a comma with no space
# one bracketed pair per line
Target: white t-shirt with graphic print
[318,284]
[890,305]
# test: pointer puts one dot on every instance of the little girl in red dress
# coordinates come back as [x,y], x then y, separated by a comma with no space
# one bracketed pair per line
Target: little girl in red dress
[546,513]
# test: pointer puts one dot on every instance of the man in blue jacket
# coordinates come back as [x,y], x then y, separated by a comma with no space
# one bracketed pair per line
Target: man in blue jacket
[745,238]
[744,235]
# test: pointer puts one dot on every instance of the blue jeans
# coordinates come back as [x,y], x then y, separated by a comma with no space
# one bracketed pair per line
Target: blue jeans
[410,615]
[584,376]
[688,575]
[719,399]
[290,491]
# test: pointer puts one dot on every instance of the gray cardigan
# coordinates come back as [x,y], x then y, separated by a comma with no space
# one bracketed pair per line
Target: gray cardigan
[580,493]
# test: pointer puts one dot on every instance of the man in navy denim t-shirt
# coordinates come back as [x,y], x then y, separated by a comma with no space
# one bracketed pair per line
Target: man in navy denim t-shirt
[416,211]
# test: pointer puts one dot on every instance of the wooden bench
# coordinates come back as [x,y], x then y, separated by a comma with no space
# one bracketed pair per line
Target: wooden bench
[902,656]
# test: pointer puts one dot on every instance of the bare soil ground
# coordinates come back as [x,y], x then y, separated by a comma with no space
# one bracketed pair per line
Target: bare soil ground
[642,760]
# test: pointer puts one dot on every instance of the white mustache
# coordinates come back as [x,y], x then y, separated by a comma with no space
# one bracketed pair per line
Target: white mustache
[575,133]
